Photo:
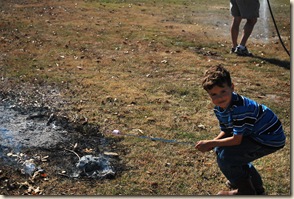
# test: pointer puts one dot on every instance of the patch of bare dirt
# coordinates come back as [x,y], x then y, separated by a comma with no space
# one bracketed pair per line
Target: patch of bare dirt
[39,144]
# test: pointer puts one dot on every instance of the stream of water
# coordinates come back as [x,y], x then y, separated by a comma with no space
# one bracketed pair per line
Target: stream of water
[264,21]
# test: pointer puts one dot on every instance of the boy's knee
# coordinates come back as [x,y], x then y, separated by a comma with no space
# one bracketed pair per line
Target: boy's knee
[222,157]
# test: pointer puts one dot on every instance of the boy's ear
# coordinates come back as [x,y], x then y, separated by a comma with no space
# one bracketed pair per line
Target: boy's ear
[232,86]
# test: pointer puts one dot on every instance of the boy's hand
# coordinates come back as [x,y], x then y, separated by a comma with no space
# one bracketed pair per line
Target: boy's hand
[204,146]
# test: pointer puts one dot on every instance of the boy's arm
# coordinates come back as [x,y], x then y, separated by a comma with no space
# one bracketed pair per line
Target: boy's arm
[207,145]
[228,141]
[220,135]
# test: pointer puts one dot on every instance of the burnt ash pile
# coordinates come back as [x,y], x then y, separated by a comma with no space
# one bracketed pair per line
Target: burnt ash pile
[20,130]
[34,141]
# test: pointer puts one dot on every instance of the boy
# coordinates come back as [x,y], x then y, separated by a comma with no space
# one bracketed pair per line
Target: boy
[248,131]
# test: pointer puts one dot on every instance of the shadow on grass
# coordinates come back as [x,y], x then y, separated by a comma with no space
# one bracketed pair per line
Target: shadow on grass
[280,63]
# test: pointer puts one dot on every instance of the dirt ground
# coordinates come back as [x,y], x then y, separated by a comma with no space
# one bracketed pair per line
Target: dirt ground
[53,154]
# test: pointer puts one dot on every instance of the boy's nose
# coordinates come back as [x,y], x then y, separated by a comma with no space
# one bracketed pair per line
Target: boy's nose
[219,97]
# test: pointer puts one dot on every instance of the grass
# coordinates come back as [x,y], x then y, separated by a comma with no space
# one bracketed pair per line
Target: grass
[138,65]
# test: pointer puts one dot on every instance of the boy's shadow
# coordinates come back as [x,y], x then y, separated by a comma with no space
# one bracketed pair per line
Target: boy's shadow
[280,63]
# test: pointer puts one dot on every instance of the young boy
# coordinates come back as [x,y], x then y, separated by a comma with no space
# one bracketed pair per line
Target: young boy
[248,131]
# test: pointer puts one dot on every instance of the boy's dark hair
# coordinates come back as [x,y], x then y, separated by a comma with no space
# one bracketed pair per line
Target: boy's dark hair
[216,76]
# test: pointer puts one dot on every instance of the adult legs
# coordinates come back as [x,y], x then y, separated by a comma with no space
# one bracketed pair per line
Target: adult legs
[247,30]
[235,31]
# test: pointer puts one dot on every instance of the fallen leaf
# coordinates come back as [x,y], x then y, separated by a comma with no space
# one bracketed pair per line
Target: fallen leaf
[201,126]
[88,150]
[110,153]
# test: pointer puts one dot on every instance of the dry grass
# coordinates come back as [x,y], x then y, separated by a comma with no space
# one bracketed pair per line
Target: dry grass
[128,65]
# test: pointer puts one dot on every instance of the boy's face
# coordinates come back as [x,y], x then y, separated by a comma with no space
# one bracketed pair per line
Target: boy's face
[221,96]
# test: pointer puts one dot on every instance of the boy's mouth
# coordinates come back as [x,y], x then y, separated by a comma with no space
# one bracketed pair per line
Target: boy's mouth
[222,104]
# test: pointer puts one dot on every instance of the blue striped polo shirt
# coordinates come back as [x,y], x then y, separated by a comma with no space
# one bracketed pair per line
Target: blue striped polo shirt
[248,118]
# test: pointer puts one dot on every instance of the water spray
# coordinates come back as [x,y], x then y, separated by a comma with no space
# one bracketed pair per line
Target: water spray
[118,133]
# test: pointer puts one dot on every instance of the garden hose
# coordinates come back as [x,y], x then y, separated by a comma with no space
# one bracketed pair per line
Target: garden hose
[277,28]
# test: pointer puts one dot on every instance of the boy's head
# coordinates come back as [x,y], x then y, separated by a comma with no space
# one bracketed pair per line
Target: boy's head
[218,84]
[216,76]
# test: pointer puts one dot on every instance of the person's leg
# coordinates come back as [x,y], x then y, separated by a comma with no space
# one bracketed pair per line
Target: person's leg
[234,162]
[255,178]
[244,187]
[235,30]
[249,10]
[247,30]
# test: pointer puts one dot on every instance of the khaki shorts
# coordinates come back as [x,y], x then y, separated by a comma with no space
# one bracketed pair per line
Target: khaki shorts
[247,9]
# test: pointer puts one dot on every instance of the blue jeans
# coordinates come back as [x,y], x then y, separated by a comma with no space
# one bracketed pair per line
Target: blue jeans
[235,161]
